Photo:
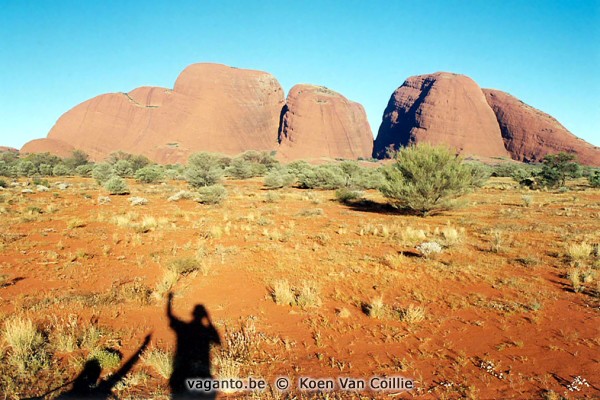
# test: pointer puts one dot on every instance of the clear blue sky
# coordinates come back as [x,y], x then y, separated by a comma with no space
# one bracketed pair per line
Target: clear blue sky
[55,54]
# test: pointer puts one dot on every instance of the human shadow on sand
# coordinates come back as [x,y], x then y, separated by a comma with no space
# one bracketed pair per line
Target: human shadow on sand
[86,385]
[192,354]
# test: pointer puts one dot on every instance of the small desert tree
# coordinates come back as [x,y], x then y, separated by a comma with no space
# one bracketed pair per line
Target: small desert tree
[102,172]
[426,179]
[116,185]
[123,168]
[556,168]
[594,179]
[149,174]
[203,170]
[60,170]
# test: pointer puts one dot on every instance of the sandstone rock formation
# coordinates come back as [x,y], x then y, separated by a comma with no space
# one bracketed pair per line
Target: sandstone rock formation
[318,122]
[53,146]
[530,134]
[8,149]
[228,110]
[440,108]
[211,108]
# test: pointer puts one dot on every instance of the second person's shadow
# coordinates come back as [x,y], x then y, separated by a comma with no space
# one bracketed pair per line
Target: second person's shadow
[192,354]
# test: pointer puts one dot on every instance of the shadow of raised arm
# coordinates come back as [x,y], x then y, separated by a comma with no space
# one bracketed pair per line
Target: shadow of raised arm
[107,385]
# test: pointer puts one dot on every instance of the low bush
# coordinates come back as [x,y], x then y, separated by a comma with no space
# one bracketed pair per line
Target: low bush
[138,201]
[322,177]
[429,249]
[160,360]
[214,194]
[369,178]
[5,168]
[135,161]
[279,178]
[505,169]
[345,195]
[60,170]
[45,169]
[174,174]
[39,181]
[594,179]
[182,194]
[102,172]
[204,170]
[243,169]
[557,168]
[27,344]
[123,168]
[26,168]
[149,174]
[298,167]
[116,185]
[251,164]
[84,170]
[426,179]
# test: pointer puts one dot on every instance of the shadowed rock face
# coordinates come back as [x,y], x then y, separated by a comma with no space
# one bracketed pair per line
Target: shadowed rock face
[530,134]
[211,108]
[441,109]
[318,122]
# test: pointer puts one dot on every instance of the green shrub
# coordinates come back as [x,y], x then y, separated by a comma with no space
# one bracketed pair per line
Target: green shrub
[136,161]
[173,174]
[38,181]
[594,179]
[38,159]
[26,168]
[214,194]
[298,167]
[107,358]
[27,345]
[345,195]
[322,177]
[123,168]
[264,158]
[557,168]
[250,164]
[3,183]
[243,169]
[60,170]
[149,174]
[358,177]
[45,169]
[102,172]
[203,170]
[426,178]
[139,161]
[84,170]
[116,185]
[348,174]
[5,168]
[370,178]
[505,169]
[279,178]
[78,158]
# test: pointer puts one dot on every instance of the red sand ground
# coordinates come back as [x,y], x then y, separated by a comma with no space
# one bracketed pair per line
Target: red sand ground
[497,293]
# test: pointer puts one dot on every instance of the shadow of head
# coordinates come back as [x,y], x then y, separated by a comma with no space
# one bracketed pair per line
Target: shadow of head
[200,312]
[88,377]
